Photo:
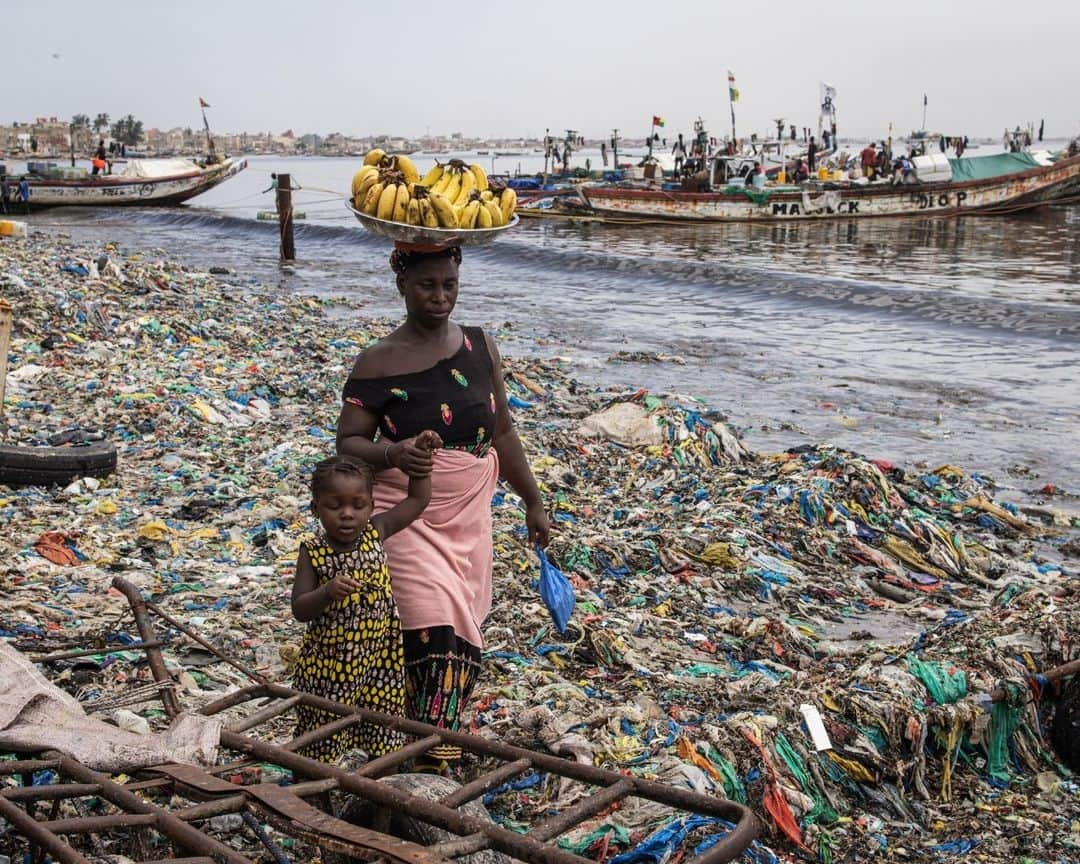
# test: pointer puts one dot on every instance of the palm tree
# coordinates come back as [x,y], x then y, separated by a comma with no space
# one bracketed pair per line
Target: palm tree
[135,130]
[128,130]
[80,121]
[101,122]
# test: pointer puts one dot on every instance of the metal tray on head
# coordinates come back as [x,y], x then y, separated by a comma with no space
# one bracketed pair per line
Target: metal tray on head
[420,234]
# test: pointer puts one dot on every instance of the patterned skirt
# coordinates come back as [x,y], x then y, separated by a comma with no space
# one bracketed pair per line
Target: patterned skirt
[441,670]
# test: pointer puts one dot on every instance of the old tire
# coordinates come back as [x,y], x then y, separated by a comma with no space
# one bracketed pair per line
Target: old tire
[1066,730]
[406,827]
[51,466]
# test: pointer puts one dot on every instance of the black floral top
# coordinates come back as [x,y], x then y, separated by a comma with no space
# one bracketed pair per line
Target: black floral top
[455,397]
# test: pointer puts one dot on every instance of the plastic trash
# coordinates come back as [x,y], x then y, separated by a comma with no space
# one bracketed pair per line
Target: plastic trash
[129,721]
[556,591]
[713,589]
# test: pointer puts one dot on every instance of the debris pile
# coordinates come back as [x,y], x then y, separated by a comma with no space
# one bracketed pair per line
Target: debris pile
[856,651]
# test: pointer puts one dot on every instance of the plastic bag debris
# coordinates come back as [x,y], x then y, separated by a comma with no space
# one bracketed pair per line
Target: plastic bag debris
[556,591]
[716,588]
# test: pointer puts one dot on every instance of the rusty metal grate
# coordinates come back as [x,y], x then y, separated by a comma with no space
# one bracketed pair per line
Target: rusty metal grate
[149,822]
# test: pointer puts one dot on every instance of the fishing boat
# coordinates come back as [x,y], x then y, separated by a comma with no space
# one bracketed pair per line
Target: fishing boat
[144,183]
[1007,182]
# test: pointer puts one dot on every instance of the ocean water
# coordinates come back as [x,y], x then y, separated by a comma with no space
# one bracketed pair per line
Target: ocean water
[921,341]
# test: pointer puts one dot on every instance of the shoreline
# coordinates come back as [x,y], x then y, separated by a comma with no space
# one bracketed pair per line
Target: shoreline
[921,374]
[707,580]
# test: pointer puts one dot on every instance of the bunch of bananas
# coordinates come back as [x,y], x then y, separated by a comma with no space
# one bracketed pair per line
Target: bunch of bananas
[454,195]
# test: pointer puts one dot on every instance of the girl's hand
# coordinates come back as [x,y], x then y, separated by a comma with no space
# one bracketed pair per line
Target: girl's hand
[406,456]
[341,587]
[536,520]
[428,440]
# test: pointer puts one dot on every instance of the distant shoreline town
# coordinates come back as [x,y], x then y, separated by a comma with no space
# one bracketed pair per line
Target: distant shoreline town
[54,137]
[80,137]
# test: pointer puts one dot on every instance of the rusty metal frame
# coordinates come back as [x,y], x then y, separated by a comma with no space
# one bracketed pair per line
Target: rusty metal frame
[288,809]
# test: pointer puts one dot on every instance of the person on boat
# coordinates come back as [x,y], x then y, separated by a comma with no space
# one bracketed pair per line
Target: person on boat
[904,170]
[884,159]
[802,171]
[431,373]
[825,140]
[24,195]
[100,162]
[868,159]
[272,188]
[811,154]
[679,152]
[757,176]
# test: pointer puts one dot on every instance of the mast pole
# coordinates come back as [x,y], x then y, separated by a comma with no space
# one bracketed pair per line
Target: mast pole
[212,156]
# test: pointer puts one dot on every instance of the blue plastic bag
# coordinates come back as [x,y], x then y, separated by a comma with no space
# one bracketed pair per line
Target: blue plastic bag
[556,591]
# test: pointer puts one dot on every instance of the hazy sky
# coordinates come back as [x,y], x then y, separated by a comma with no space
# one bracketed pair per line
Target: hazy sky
[514,68]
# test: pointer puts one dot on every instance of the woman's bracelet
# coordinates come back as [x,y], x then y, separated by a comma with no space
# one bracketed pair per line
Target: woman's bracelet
[386,456]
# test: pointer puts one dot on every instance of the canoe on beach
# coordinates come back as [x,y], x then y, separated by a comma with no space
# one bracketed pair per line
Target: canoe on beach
[144,183]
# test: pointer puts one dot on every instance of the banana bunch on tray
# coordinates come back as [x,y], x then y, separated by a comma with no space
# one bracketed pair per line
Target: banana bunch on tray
[454,195]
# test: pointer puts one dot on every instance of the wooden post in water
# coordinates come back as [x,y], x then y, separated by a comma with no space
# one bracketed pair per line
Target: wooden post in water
[5,345]
[285,217]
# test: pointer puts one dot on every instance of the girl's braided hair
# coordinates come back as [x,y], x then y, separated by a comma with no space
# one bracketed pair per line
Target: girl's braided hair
[402,259]
[348,465]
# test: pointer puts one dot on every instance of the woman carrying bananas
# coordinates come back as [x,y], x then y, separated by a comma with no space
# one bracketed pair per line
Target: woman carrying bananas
[431,373]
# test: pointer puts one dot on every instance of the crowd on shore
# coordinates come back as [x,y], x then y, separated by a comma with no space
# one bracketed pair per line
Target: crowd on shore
[718,590]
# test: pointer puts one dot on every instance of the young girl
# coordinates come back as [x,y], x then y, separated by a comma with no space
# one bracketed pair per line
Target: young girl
[352,651]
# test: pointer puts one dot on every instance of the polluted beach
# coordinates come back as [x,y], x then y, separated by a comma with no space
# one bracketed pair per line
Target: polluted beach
[528,498]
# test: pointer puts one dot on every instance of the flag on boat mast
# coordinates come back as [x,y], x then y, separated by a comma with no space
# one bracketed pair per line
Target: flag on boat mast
[657,120]
[203,103]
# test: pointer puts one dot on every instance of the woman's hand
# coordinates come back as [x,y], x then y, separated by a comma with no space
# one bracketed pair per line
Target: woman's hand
[536,520]
[406,456]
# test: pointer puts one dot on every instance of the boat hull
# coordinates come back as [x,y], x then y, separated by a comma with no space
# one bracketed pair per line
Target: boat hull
[118,190]
[1010,193]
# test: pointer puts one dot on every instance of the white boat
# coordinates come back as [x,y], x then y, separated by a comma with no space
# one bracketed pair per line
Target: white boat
[144,183]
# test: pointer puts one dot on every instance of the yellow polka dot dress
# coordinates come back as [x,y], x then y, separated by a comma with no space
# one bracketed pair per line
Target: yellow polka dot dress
[352,653]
